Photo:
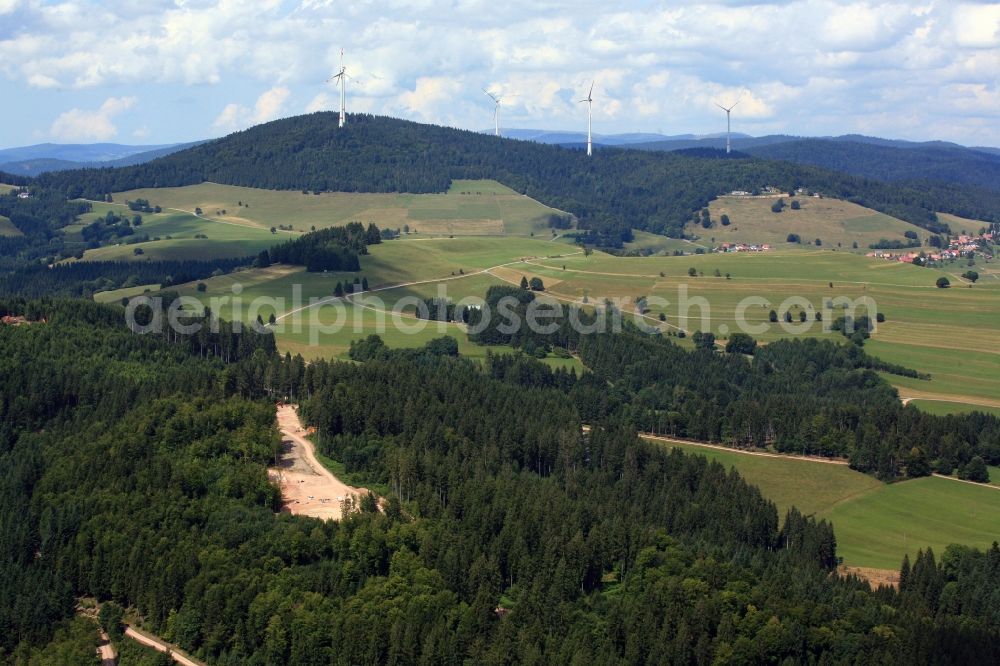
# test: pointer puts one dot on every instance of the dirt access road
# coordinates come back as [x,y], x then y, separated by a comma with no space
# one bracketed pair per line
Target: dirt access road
[307,487]
[161,646]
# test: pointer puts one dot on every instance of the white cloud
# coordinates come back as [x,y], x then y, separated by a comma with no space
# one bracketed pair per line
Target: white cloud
[977,26]
[269,106]
[657,64]
[321,102]
[82,125]
[429,95]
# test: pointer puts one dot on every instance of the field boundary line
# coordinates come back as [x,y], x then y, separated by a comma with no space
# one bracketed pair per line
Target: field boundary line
[762,454]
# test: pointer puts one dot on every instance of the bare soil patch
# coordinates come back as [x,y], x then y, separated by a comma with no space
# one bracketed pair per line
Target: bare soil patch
[307,487]
[874,577]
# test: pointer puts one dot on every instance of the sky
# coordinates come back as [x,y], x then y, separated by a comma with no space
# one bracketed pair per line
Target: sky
[159,71]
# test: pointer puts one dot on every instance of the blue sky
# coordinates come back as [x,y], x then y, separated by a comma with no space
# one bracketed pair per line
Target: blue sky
[157,71]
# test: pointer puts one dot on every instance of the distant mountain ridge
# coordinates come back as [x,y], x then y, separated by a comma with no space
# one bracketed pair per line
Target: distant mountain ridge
[46,157]
[611,194]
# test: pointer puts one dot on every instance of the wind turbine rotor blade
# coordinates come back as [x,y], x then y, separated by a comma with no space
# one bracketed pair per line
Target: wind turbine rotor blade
[590,93]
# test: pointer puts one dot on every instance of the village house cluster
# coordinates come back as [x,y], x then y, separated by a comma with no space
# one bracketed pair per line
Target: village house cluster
[744,247]
[960,246]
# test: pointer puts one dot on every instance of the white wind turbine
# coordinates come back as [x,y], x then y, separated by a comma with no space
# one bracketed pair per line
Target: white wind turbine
[590,117]
[728,126]
[496,110]
[341,79]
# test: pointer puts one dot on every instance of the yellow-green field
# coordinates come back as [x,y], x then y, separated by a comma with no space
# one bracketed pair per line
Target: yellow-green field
[468,208]
[4,189]
[7,227]
[837,223]
[326,329]
[116,295]
[948,333]
[941,407]
[961,225]
[647,243]
[177,232]
[875,523]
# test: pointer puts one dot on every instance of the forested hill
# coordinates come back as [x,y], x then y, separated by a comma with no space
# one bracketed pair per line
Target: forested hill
[611,193]
[921,162]
[134,472]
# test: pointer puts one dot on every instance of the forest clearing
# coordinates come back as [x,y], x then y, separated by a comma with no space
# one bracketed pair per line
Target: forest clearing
[307,487]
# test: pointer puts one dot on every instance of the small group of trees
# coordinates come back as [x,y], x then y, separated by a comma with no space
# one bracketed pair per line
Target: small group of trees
[142,206]
[534,284]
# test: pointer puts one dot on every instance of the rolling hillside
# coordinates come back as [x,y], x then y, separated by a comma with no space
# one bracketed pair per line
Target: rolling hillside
[468,207]
[611,193]
[837,223]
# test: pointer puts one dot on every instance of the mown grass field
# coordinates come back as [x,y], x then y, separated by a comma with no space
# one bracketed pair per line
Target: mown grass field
[7,227]
[312,323]
[4,188]
[949,333]
[941,407]
[468,208]
[648,243]
[961,225]
[836,223]
[177,233]
[875,523]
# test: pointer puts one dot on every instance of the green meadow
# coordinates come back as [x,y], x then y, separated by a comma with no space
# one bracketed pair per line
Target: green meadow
[947,333]
[7,227]
[468,208]
[835,222]
[875,523]
[181,236]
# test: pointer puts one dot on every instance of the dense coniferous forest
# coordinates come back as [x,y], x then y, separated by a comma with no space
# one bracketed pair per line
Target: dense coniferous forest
[135,472]
[332,249]
[85,278]
[804,396]
[611,193]
[912,165]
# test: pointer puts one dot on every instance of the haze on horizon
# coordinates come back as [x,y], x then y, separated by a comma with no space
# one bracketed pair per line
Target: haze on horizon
[161,71]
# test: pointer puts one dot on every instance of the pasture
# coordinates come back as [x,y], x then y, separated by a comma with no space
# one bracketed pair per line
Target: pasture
[181,236]
[875,523]
[948,333]
[945,332]
[468,208]
[7,228]
[837,223]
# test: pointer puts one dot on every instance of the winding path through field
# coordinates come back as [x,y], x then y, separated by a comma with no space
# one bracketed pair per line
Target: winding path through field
[400,285]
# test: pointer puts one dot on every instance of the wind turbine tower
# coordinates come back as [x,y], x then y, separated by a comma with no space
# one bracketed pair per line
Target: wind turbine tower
[728,126]
[590,118]
[496,110]
[341,78]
